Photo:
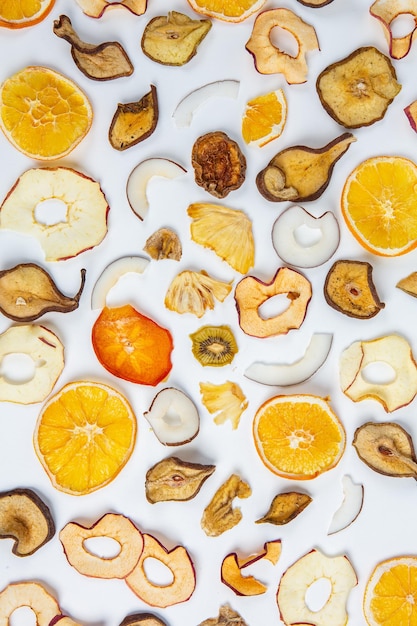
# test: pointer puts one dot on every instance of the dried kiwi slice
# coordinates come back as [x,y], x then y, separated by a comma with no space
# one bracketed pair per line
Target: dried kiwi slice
[214,345]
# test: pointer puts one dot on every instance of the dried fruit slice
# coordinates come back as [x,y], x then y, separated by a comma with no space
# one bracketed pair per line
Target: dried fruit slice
[411,113]
[349,288]
[84,436]
[25,518]
[386,11]
[357,90]
[214,345]
[301,173]
[173,417]
[226,401]
[298,436]
[219,164]
[132,346]
[350,508]
[227,10]
[85,224]
[43,113]
[195,292]
[142,619]
[378,205]
[164,243]
[226,617]
[185,109]
[219,227]
[105,61]
[268,57]
[285,507]
[30,594]
[96,8]
[24,13]
[175,479]
[315,4]
[233,564]
[392,351]
[409,284]
[264,118]
[313,566]
[112,273]
[134,122]
[173,39]
[220,515]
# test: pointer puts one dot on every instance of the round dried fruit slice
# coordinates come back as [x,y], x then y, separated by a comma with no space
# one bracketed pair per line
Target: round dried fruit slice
[23,13]
[84,436]
[264,118]
[227,10]
[298,436]
[30,594]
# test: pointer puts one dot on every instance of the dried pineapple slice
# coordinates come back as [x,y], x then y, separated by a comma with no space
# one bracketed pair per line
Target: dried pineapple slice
[227,401]
[226,231]
[195,292]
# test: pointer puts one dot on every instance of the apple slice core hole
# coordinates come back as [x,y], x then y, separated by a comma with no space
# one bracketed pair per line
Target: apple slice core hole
[23,616]
[274,306]
[103,547]
[379,373]
[157,573]
[51,211]
[318,594]
[18,368]
[284,41]
[306,236]
[402,25]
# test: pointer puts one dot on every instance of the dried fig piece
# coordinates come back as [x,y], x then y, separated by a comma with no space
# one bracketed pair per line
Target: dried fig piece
[349,288]
[409,284]
[135,121]
[104,61]
[357,90]
[164,244]
[25,518]
[27,292]
[174,479]
[219,164]
[173,39]
[301,173]
[285,507]
[227,617]
[387,448]
[142,619]
[219,515]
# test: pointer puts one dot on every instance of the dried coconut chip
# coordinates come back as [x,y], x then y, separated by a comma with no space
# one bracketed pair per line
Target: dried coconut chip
[187,107]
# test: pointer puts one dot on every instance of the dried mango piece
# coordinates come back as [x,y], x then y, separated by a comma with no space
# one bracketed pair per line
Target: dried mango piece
[135,121]
[175,479]
[219,515]
[349,288]
[226,401]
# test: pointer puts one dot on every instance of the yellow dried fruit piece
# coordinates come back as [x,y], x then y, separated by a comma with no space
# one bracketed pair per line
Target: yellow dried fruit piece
[23,13]
[195,292]
[226,401]
[220,228]
[227,10]
[135,121]
[264,118]
[219,515]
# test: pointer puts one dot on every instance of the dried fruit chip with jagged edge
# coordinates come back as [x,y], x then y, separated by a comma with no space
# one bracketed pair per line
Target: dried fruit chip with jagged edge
[227,616]
[349,288]
[285,507]
[195,292]
[226,401]
[220,515]
[96,8]
[134,122]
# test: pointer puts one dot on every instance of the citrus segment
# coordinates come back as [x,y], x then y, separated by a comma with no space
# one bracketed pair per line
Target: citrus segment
[298,436]
[391,593]
[264,118]
[379,207]
[43,113]
[227,10]
[84,436]
[22,13]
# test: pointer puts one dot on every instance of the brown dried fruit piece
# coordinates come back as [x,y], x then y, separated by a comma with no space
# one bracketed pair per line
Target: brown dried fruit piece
[219,515]
[96,8]
[301,173]
[227,617]
[173,39]
[175,479]
[164,244]
[142,619]
[357,90]
[349,288]
[285,507]
[27,292]
[104,61]
[386,11]
[219,164]
[25,518]
[409,284]
[315,4]
[135,121]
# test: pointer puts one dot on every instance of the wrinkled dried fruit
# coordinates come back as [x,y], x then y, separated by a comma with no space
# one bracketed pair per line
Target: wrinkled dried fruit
[164,243]
[357,90]
[175,479]
[227,617]
[219,515]
[285,507]
[25,518]
[386,11]
[349,288]
[142,619]
[409,284]
[219,164]
[27,292]
[134,122]
[96,8]
[387,448]
[185,109]
[301,173]
[225,401]
[195,292]
[29,594]
[173,417]
[214,345]
[104,61]
[173,39]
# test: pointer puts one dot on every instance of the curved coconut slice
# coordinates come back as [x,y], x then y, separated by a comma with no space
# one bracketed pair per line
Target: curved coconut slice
[173,417]
[350,508]
[137,183]
[111,275]
[184,112]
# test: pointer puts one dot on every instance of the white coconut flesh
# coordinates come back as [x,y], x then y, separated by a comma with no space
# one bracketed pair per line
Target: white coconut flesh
[184,112]
[173,417]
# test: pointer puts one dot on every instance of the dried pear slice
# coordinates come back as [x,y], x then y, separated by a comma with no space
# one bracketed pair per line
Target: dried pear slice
[357,90]
[285,507]
[214,345]
[409,284]
[386,11]
[175,479]
[227,617]
[387,448]
[135,121]
[195,292]
[219,515]
[349,288]
[105,61]
[301,173]
[173,39]
[164,244]
[25,518]
[27,292]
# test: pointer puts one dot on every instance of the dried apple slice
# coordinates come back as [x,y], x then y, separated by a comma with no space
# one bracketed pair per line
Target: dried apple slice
[85,224]
[117,527]
[285,507]
[297,579]
[220,515]
[386,11]
[111,274]
[349,289]
[173,417]
[391,350]
[251,293]
[142,174]
[96,8]
[350,508]
[175,479]
[177,560]
[186,108]
[31,594]
[195,292]
[46,354]
[134,122]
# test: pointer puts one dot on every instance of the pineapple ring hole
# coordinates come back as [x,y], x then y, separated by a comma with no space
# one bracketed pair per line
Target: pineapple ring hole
[284,41]
[51,212]
[379,373]
[157,572]
[23,616]
[102,547]
[305,236]
[274,306]
[18,368]
[403,25]
[318,594]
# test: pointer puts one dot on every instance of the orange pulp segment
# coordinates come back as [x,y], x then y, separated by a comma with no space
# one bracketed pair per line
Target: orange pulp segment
[227,10]
[264,118]
[22,13]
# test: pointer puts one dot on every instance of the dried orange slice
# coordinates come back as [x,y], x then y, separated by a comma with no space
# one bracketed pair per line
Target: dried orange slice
[84,436]
[43,113]
[22,13]
[391,593]
[264,118]
[378,204]
[298,436]
[227,10]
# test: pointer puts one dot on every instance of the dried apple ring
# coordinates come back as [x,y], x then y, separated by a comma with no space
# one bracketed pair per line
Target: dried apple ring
[114,526]
[177,561]
[96,8]
[32,595]
[386,11]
